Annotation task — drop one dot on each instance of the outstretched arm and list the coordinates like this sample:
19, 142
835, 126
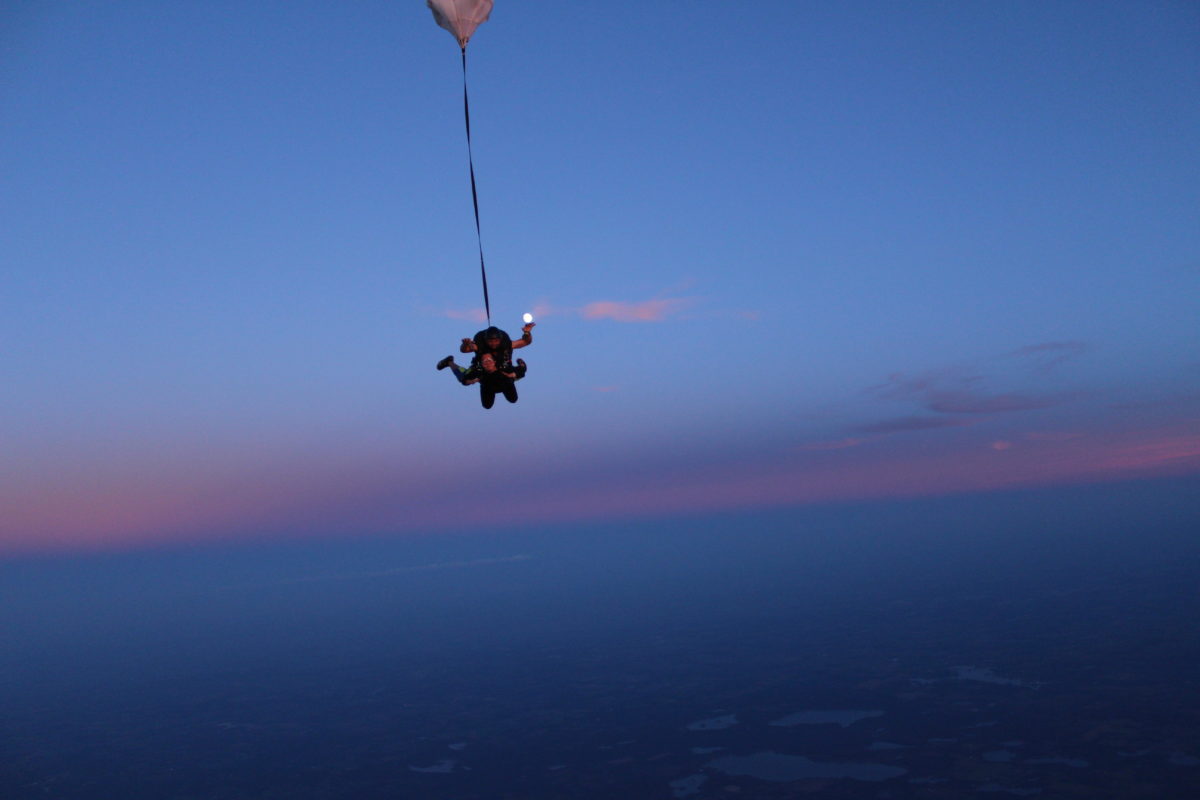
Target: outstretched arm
467, 346
526, 336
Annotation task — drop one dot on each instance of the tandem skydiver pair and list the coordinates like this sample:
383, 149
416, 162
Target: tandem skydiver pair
492, 365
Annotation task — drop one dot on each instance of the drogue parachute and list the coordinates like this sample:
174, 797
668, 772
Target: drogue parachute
460, 17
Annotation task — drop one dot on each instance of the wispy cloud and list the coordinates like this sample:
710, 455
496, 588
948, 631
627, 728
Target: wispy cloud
1160, 452
1048, 355
836, 444
903, 386
902, 424
1052, 436
387, 573
645, 311
963, 389
470, 314
978, 403
655, 310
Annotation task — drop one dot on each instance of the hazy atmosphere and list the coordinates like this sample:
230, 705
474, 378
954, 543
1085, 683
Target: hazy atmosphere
861, 428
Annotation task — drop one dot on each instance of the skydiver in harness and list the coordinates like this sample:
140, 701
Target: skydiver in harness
494, 380
492, 366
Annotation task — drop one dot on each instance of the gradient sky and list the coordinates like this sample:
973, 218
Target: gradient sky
780, 253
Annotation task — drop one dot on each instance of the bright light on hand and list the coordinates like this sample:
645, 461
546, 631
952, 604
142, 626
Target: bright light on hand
528, 318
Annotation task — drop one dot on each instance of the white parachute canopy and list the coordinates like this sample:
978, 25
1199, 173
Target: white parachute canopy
460, 17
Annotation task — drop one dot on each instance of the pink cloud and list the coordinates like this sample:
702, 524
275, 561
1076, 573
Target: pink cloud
646, 311
1160, 452
470, 314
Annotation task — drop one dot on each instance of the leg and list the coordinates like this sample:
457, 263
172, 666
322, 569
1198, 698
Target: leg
466, 375
448, 361
487, 395
510, 392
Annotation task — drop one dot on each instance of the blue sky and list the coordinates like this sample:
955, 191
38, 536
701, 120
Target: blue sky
779, 254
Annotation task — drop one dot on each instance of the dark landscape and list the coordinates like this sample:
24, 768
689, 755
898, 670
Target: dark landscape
1037, 643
